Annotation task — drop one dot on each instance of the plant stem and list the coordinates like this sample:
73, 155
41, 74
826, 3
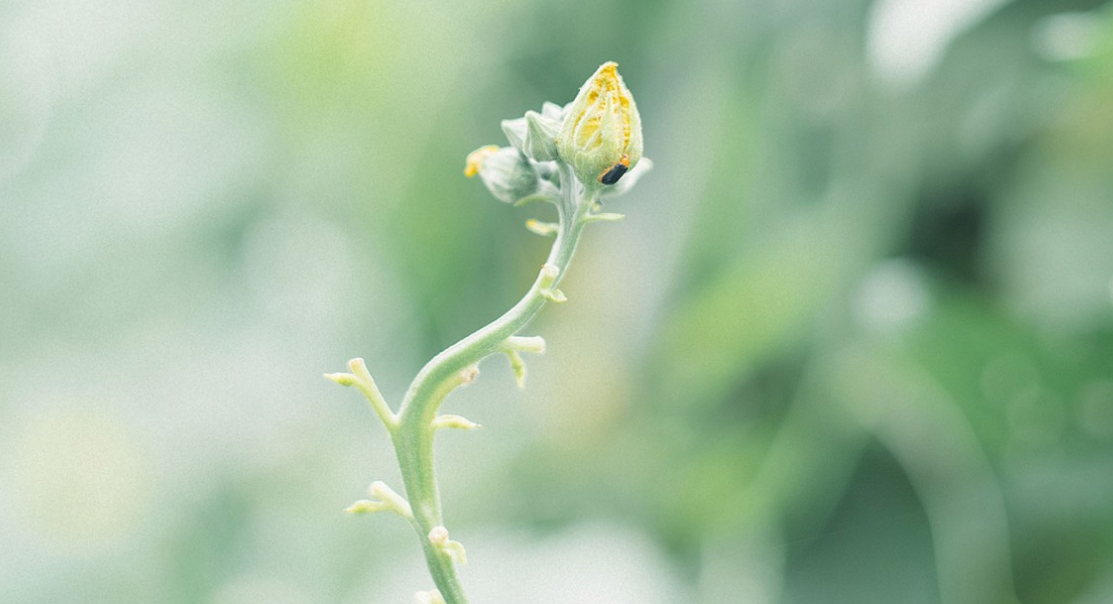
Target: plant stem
414, 431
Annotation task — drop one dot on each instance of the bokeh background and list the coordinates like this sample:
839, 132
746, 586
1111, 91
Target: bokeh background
853, 343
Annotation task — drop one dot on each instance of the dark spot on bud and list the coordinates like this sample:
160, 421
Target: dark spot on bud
615, 172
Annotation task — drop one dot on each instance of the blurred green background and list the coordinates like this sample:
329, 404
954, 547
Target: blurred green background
853, 343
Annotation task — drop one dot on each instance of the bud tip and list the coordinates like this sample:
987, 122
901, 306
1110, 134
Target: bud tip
474, 163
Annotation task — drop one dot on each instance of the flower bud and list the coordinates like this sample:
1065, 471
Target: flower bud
474, 163
515, 131
454, 421
601, 136
453, 549
534, 134
553, 111
541, 132
506, 172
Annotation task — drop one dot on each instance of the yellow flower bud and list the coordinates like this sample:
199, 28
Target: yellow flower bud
508, 174
601, 136
474, 162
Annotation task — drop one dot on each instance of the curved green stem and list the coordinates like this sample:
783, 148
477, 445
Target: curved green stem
413, 433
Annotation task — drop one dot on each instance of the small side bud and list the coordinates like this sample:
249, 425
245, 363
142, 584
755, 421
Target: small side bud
344, 379
545, 229
438, 536
518, 366
533, 135
366, 506
469, 374
554, 295
515, 131
361, 379
359, 368
453, 549
385, 497
533, 344
541, 132
454, 421
474, 163
549, 274
602, 217
508, 175
518, 344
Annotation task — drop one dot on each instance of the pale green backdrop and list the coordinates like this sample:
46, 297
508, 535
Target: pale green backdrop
853, 343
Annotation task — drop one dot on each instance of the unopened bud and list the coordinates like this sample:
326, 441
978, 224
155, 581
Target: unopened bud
601, 136
366, 506
515, 131
535, 134
474, 163
391, 500
453, 549
541, 132
506, 172
454, 421
552, 111
344, 379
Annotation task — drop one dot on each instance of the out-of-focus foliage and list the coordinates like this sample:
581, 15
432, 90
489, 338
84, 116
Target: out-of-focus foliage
854, 342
